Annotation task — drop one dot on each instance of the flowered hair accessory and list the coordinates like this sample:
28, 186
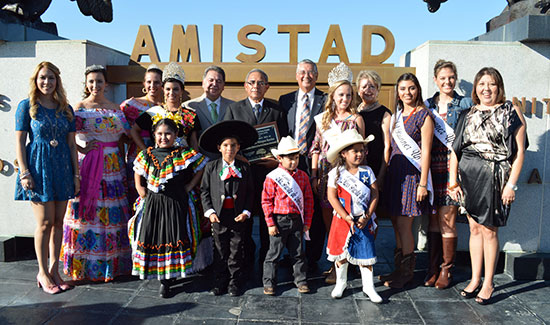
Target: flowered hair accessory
176, 117
340, 72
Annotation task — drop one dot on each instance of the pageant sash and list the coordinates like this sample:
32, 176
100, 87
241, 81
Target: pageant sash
331, 132
291, 188
443, 131
92, 169
357, 189
409, 147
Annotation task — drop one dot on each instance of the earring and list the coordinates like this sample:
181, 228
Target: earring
143, 90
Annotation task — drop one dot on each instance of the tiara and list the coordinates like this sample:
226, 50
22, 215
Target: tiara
94, 68
340, 72
153, 67
176, 117
173, 71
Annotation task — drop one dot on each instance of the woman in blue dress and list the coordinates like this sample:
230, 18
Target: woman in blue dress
48, 167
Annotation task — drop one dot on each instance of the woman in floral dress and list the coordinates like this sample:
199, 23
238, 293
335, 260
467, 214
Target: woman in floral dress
95, 243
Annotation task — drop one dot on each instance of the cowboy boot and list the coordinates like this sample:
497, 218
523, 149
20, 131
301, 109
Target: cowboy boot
368, 285
341, 281
449, 250
407, 272
435, 252
330, 275
397, 256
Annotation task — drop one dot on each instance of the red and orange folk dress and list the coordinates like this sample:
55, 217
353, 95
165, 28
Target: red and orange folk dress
167, 239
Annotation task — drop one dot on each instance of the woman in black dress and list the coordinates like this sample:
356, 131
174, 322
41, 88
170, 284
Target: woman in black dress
490, 146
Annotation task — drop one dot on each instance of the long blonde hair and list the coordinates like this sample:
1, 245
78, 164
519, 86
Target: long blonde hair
330, 106
59, 95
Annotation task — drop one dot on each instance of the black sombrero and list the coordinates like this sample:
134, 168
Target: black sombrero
245, 133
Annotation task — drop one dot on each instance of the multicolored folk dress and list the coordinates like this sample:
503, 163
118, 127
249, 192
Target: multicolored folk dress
354, 195
169, 233
132, 109
320, 146
95, 237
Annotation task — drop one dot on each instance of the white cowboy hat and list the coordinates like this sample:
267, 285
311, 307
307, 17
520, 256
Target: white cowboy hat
344, 140
286, 146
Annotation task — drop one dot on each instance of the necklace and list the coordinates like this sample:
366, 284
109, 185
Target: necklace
54, 141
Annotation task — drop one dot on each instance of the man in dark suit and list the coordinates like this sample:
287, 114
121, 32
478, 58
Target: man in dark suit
210, 107
301, 106
256, 110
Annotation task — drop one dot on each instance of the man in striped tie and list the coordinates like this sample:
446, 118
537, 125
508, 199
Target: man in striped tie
301, 106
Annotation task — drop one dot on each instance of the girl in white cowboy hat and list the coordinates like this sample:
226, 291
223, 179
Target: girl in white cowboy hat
353, 193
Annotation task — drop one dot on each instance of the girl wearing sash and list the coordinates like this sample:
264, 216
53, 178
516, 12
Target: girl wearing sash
165, 247
95, 243
408, 180
442, 237
353, 193
132, 108
340, 114
490, 146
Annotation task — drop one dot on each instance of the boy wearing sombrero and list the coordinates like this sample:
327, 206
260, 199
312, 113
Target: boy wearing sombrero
227, 197
287, 202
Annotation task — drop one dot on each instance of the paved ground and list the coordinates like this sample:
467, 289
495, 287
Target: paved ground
130, 301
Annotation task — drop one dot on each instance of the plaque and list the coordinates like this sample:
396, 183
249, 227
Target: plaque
268, 138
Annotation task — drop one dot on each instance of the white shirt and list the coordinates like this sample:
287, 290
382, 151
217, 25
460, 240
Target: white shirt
300, 105
210, 211
252, 103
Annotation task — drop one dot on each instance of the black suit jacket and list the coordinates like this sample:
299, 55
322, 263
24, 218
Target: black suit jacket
213, 190
242, 110
288, 103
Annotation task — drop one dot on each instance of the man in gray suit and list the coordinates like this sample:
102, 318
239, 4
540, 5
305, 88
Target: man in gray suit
301, 106
210, 106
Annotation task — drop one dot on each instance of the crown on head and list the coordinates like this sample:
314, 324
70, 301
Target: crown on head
94, 68
340, 72
176, 117
173, 71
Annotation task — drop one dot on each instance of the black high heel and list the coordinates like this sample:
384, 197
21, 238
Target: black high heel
164, 289
469, 295
486, 301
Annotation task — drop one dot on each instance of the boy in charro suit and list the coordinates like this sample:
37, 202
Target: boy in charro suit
227, 197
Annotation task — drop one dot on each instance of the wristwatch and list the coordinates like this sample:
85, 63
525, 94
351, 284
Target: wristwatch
512, 186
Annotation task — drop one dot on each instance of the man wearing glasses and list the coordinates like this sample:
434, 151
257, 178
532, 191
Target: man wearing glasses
256, 110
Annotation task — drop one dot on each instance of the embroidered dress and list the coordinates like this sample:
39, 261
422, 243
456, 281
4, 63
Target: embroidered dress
95, 237
357, 248
484, 149
402, 177
132, 109
169, 233
50, 167
320, 146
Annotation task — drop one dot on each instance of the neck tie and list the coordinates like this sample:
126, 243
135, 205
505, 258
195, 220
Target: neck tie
302, 130
214, 112
257, 111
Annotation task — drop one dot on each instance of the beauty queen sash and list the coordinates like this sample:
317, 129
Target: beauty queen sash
409, 148
358, 191
443, 131
291, 188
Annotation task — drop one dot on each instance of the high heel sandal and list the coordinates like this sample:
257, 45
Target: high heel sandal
485, 301
52, 289
469, 295
64, 286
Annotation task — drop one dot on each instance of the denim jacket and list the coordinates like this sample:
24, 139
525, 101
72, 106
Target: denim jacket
455, 107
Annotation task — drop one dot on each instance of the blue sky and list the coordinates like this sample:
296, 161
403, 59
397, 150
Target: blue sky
408, 20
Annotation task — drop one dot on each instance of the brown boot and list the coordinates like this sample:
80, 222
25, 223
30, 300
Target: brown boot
435, 252
331, 275
406, 272
397, 256
449, 250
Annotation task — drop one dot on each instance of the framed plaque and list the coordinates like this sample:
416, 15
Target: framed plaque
268, 138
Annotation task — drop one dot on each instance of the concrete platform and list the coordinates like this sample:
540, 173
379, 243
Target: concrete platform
131, 301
